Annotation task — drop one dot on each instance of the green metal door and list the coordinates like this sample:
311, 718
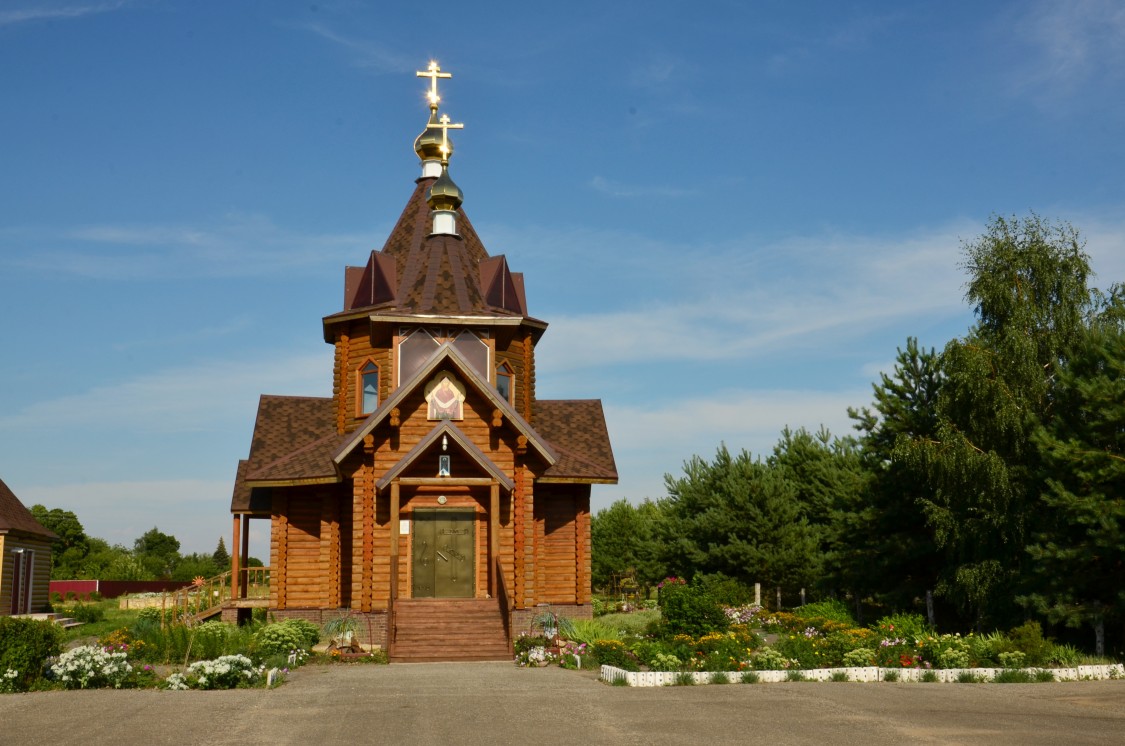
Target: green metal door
443, 554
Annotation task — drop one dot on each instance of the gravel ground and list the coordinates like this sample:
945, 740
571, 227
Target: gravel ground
497, 703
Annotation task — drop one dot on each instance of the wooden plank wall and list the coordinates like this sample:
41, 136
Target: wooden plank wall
40, 574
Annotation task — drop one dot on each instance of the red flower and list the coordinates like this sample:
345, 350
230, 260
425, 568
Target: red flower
906, 661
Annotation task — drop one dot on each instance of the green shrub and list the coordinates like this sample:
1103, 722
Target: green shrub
1013, 676
840, 676
283, 637
968, 677
310, 633
795, 675
620, 681
1012, 659
689, 610
25, 646
720, 677
1064, 655
725, 591
80, 612
685, 678
930, 677
750, 677
768, 659
614, 653
904, 626
524, 643
589, 630
1043, 676
1028, 639
859, 657
891, 675
831, 609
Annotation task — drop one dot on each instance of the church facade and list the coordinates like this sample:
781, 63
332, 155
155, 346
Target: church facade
433, 491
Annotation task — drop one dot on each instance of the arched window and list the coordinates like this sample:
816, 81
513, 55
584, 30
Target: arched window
367, 399
505, 381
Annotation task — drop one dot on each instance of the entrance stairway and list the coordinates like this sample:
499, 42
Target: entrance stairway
449, 629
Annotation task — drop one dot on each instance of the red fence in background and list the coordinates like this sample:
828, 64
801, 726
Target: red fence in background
114, 588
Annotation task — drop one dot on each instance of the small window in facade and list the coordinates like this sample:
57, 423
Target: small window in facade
504, 380
413, 352
474, 350
368, 388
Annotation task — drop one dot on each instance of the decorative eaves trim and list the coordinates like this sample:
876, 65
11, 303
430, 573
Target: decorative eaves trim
447, 428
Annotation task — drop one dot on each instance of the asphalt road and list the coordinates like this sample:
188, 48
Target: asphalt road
497, 703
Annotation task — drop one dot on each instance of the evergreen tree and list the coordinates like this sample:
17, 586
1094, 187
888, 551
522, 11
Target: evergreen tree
1079, 552
741, 518
830, 481
221, 557
623, 539
894, 556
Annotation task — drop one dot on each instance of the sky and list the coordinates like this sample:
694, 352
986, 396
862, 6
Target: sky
731, 214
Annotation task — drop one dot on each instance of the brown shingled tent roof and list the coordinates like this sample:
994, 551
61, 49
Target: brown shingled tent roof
15, 518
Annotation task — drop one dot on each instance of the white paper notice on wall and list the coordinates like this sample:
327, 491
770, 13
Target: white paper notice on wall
404, 526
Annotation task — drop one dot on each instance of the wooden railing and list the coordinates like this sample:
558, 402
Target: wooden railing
391, 627
501, 588
205, 597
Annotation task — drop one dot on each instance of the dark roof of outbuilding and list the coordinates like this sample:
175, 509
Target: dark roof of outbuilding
16, 518
577, 432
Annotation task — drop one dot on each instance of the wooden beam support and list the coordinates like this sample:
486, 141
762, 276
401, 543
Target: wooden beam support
445, 481
235, 564
493, 538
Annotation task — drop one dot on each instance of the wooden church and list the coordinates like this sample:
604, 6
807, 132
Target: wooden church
434, 496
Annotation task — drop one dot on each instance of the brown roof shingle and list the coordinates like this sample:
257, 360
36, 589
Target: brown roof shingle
577, 432
16, 518
294, 438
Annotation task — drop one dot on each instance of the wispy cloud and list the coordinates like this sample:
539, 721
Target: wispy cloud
766, 297
617, 189
363, 53
237, 246
200, 397
47, 12
1077, 43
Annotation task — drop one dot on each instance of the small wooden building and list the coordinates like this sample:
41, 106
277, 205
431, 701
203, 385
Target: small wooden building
25, 558
434, 496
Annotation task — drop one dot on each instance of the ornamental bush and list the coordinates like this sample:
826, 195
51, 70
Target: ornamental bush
614, 653
831, 609
690, 610
25, 646
859, 657
768, 659
91, 667
225, 672
284, 637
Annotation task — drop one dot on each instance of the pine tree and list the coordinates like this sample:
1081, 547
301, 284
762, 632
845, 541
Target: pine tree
221, 556
1079, 552
894, 556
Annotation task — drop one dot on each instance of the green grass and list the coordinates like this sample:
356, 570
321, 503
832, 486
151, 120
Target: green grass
720, 677
750, 677
113, 619
968, 677
840, 676
684, 678
890, 676
930, 677
620, 682
795, 675
634, 623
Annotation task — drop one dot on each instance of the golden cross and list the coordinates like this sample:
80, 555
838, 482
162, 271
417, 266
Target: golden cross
433, 72
445, 126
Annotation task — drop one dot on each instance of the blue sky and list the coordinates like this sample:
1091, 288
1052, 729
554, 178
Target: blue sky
731, 216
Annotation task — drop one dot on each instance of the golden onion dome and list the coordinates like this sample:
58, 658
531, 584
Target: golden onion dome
428, 145
443, 194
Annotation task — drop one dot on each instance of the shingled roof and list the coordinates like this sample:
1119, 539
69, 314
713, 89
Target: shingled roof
15, 518
294, 439
576, 430
419, 272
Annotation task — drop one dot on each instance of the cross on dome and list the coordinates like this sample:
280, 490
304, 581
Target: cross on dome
433, 72
444, 125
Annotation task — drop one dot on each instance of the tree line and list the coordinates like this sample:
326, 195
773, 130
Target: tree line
990, 473
155, 555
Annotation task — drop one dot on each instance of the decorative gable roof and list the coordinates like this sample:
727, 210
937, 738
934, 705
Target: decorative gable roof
294, 439
15, 518
446, 352
455, 434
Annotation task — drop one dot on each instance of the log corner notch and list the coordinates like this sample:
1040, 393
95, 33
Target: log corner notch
498, 419
396, 418
521, 445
